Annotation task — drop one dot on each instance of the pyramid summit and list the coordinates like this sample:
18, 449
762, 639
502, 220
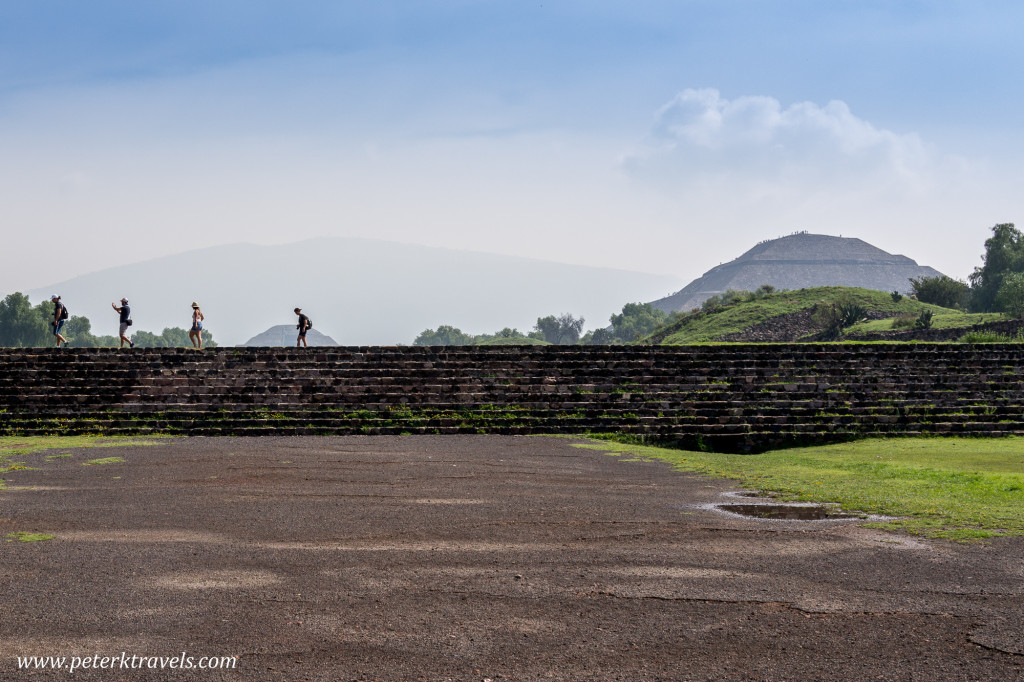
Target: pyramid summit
799, 261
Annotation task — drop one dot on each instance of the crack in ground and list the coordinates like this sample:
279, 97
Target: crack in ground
783, 604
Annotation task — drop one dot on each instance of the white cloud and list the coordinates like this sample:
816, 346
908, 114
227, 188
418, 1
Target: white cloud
754, 141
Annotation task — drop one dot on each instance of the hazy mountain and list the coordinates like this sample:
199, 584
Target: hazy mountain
358, 291
799, 261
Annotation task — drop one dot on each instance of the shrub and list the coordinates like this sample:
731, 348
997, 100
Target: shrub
835, 317
724, 299
896, 297
924, 320
904, 321
984, 337
942, 290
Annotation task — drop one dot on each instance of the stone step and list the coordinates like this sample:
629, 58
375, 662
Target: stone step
736, 394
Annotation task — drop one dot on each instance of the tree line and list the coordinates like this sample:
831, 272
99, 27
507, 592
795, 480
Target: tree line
995, 286
23, 325
636, 321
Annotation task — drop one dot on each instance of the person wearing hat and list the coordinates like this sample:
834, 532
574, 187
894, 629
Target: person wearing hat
126, 321
302, 326
196, 332
60, 316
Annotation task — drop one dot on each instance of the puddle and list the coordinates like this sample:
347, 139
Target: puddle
753, 505
787, 512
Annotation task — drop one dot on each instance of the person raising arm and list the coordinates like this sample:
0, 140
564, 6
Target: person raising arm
126, 320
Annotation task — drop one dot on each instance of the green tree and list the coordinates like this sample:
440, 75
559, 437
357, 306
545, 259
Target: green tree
564, 329
944, 291
144, 339
599, 337
78, 332
1010, 298
176, 337
21, 325
636, 321
445, 335
1004, 254
171, 337
44, 310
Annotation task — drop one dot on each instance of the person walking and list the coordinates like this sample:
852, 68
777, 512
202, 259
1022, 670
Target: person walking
126, 321
303, 326
196, 332
60, 316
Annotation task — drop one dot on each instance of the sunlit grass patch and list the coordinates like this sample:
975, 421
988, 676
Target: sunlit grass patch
20, 446
27, 444
103, 460
959, 488
23, 536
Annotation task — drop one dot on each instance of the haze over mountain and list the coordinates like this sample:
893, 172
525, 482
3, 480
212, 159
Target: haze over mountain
358, 291
798, 261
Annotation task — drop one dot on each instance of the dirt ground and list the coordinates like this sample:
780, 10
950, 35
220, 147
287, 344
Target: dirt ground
472, 558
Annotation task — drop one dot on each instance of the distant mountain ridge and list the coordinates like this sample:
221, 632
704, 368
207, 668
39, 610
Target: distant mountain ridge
800, 261
358, 291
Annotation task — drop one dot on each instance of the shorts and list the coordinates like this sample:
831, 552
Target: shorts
57, 327
122, 329
197, 327
302, 333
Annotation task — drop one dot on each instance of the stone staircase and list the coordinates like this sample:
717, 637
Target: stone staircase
727, 397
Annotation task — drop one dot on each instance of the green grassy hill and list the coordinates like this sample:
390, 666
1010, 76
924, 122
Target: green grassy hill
793, 310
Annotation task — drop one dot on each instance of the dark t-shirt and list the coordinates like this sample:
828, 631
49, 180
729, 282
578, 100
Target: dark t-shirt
302, 323
126, 313
58, 309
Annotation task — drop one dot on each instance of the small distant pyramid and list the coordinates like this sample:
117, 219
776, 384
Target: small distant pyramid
285, 335
799, 261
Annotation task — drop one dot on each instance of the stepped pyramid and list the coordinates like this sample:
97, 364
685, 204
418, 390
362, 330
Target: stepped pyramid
799, 261
284, 335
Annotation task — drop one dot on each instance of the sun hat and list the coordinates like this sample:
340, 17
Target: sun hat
124, 300
54, 297
194, 304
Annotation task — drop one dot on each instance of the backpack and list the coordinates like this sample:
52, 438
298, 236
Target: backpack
63, 312
309, 323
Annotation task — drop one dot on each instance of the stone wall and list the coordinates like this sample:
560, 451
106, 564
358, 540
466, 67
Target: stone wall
734, 397
1010, 328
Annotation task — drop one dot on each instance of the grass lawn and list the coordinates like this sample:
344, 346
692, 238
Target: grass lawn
957, 488
939, 321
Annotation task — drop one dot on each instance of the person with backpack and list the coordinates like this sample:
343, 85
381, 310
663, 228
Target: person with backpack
126, 321
303, 326
60, 316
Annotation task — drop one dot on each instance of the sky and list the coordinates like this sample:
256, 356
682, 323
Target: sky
659, 136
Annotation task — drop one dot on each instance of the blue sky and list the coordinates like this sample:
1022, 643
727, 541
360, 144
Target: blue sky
658, 136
